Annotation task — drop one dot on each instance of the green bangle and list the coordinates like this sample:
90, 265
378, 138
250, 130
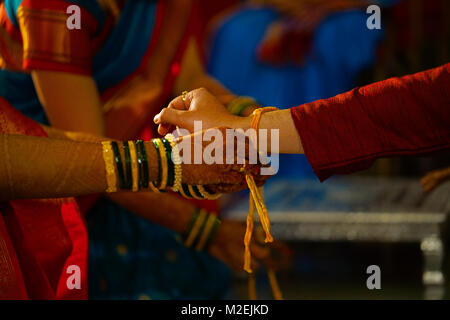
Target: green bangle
239, 104
143, 164
170, 165
128, 178
213, 232
118, 159
191, 223
244, 106
156, 144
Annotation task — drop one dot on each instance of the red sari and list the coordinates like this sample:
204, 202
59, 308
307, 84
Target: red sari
39, 239
396, 117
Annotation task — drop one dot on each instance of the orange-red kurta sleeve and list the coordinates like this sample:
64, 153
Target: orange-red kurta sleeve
395, 117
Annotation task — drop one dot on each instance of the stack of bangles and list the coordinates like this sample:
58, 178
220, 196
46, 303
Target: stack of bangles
239, 105
132, 173
201, 230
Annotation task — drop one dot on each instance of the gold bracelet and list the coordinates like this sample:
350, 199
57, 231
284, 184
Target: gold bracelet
111, 176
153, 188
196, 228
162, 153
178, 175
193, 194
181, 191
134, 166
208, 195
205, 233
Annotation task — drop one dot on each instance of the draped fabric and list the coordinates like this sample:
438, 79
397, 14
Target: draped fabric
34, 36
39, 239
396, 117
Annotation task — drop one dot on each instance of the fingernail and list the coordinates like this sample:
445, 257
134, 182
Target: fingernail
156, 119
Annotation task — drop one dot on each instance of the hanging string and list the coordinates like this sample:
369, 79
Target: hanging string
256, 200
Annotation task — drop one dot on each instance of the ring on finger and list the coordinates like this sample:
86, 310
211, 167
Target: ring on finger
183, 95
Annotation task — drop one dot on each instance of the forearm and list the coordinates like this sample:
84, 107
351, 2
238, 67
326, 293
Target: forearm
164, 209
171, 212
36, 167
396, 117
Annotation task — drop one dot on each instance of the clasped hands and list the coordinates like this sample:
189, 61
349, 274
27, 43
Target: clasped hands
221, 174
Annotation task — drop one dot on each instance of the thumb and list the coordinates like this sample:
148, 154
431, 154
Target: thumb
170, 116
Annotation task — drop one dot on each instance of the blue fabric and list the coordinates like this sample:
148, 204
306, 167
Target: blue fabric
11, 7
342, 47
129, 258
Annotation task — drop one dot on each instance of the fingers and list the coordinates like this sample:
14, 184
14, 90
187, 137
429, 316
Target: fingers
179, 104
169, 116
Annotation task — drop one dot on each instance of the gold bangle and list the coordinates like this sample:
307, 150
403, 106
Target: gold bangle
208, 195
152, 187
134, 167
196, 228
162, 152
181, 191
192, 192
178, 174
108, 157
205, 234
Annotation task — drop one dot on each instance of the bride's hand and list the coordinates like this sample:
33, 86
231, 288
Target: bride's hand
225, 172
198, 105
228, 247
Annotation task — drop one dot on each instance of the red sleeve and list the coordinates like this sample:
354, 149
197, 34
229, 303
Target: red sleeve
48, 44
395, 117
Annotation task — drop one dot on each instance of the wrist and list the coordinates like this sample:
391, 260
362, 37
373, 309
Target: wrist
236, 122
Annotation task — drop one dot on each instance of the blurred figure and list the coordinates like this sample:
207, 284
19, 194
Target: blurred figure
287, 53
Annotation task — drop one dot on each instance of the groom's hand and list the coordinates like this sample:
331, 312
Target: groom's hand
197, 105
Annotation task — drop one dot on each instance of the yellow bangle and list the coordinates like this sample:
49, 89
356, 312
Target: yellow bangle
153, 188
162, 152
108, 157
178, 174
205, 234
192, 192
181, 191
134, 166
208, 195
196, 228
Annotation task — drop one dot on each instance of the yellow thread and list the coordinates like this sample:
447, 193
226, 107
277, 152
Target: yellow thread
276, 292
260, 207
248, 236
256, 200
